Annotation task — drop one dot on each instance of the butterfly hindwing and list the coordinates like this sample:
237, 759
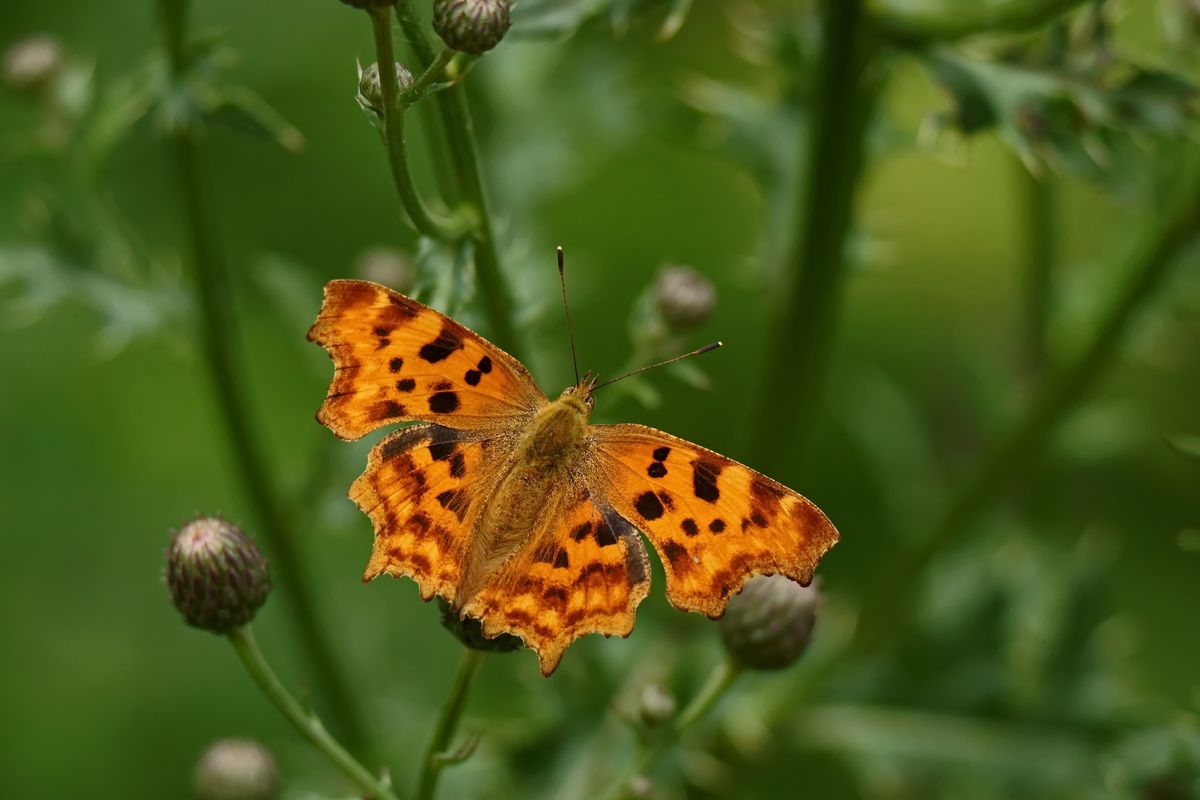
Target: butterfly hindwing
397, 360
423, 488
713, 521
584, 570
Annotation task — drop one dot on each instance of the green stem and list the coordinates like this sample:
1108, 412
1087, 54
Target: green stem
460, 139
447, 724
805, 321
917, 21
1149, 265
715, 687
1037, 201
425, 221
431, 74
308, 725
218, 331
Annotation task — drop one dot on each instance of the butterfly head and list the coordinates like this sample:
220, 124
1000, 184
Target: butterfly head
580, 395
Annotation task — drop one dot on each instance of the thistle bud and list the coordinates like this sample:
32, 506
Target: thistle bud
685, 298
472, 26
217, 576
469, 631
370, 87
236, 769
656, 705
768, 624
31, 64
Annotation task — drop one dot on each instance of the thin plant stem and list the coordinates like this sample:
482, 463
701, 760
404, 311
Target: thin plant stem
1149, 265
805, 320
431, 74
218, 332
949, 20
447, 723
425, 221
714, 688
494, 291
307, 724
1037, 198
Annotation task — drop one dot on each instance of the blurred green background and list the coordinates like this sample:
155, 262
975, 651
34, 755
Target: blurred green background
1055, 652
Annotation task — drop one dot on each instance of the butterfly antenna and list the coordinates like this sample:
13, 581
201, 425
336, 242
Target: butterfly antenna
562, 281
708, 348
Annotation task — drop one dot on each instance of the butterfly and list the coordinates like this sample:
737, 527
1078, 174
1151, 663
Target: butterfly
515, 508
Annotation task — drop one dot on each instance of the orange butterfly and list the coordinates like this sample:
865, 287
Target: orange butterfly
517, 510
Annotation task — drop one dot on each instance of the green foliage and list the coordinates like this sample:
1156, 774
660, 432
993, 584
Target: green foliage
1045, 648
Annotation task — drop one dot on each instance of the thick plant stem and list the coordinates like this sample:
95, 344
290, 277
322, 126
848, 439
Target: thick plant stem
946, 20
447, 723
715, 687
494, 291
307, 724
1037, 199
218, 331
805, 321
424, 220
1149, 265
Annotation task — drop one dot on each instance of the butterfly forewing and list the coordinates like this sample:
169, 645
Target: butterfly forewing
713, 521
397, 360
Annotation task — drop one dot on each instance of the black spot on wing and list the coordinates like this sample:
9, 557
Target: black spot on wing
717, 525
580, 532
443, 402
604, 534
388, 408
661, 453
689, 527
440, 348
656, 469
458, 465
440, 451
704, 479
648, 505
396, 364
405, 385
485, 365
472, 377
561, 561
675, 553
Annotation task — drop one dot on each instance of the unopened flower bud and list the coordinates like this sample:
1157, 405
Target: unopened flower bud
472, 26
387, 266
768, 625
31, 64
685, 298
236, 769
370, 88
656, 705
469, 631
217, 576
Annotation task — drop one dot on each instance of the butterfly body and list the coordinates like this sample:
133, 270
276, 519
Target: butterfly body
519, 511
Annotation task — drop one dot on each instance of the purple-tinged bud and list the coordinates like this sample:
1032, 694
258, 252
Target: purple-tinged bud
472, 26
769, 624
370, 87
469, 631
217, 576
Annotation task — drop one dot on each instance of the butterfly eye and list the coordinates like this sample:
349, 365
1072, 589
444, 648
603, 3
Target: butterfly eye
589, 402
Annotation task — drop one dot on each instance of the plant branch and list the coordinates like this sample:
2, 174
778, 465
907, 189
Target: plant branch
715, 687
1148, 266
308, 725
805, 321
924, 21
431, 74
447, 724
424, 220
460, 140
218, 332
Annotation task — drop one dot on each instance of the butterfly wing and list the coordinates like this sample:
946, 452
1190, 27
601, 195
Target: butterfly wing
396, 360
584, 570
423, 489
713, 521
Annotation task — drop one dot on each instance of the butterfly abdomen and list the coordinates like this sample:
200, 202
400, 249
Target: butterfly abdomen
549, 452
